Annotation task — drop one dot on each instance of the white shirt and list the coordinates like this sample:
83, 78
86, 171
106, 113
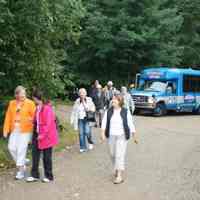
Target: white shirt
116, 123
81, 111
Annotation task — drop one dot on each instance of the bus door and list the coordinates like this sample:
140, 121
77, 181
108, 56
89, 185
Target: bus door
172, 95
189, 94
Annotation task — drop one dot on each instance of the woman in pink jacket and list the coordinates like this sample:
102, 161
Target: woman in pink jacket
44, 138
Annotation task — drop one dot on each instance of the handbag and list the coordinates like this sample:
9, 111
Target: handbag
90, 116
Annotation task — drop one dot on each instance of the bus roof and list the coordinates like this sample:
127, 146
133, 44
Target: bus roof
167, 73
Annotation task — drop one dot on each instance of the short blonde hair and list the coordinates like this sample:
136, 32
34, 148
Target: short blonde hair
20, 89
82, 90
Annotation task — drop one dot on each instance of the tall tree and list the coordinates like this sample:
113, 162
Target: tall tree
120, 36
190, 32
32, 41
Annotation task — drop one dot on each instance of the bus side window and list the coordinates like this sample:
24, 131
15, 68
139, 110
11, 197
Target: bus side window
191, 83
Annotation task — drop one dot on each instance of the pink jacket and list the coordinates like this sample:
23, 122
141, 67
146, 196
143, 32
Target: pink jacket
48, 135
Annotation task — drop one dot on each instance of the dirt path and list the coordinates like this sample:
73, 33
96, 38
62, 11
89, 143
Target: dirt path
164, 166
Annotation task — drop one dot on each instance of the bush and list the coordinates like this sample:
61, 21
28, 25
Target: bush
5, 158
2, 111
67, 137
3, 106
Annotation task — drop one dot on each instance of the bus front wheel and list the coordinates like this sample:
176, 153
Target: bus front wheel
160, 110
197, 111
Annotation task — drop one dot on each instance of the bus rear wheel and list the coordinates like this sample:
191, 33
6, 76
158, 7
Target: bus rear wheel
197, 111
160, 110
136, 111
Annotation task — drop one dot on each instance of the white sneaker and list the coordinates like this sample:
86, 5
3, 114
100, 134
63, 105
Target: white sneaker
90, 146
82, 150
118, 180
20, 175
31, 179
45, 180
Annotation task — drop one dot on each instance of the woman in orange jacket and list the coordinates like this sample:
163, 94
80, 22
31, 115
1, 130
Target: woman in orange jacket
19, 125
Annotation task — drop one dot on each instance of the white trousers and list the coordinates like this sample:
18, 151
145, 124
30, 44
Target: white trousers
118, 147
18, 145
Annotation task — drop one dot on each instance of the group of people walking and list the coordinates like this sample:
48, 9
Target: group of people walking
24, 117
108, 108
113, 112
102, 98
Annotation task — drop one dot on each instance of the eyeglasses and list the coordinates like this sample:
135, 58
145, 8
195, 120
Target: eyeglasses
18, 110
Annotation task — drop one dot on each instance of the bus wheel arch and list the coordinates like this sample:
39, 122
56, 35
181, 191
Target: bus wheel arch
197, 110
160, 109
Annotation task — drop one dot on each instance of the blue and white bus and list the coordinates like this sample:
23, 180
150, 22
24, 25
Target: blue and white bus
161, 89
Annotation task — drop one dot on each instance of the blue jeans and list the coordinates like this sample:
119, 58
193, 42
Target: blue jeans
84, 131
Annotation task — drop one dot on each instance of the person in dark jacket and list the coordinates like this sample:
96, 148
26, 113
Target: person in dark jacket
93, 89
99, 101
109, 93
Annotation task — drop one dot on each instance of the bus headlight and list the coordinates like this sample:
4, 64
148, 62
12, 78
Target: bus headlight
151, 100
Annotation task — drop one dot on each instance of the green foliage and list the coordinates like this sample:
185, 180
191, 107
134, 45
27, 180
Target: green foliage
3, 105
2, 112
190, 31
5, 158
61, 44
67, 137
32, 41
119, 37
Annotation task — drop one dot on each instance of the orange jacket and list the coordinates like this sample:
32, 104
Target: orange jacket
26, 116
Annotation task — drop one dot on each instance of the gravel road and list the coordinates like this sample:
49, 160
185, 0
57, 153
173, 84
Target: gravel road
165, 165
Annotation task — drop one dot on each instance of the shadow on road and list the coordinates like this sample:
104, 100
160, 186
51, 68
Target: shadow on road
169, 114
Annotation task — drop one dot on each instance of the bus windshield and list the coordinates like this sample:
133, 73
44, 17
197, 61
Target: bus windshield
157, 86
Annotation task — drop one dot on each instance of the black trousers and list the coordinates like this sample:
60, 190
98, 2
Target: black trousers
47, 161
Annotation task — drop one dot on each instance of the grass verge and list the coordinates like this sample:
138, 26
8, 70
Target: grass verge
5, 158
67, 137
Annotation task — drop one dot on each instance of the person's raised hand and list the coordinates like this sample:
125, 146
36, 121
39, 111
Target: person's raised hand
5, 135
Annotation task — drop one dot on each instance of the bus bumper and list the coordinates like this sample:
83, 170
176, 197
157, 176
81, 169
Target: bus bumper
145, 106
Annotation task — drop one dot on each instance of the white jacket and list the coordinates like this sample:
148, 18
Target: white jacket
129, 103
75, 111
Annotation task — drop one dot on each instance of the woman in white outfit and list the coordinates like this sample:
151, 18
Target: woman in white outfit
118, 127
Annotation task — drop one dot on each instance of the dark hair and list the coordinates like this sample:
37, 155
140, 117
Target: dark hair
40, 96
94, 82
